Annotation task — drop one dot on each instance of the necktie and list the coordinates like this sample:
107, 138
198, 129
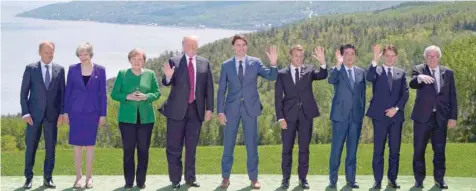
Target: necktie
351, 79
436, 81
240, 71
389, 78
47, 77
296, 76
191, 78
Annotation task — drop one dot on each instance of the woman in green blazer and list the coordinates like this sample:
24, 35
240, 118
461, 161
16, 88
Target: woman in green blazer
136, 88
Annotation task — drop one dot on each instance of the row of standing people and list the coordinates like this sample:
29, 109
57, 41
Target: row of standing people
46, 102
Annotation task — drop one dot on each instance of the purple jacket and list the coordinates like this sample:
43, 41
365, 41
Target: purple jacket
90, 98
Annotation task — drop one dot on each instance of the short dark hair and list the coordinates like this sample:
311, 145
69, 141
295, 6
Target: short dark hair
241, 37
346, 46
391, 48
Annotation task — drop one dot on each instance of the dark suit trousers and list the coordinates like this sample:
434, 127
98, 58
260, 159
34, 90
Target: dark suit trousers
303, 127
422, 132
33, 134
349, 132
383, 130
187, 129
135, 135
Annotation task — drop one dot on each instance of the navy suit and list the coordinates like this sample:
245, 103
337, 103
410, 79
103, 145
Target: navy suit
386, 97
347, 112
44, 106
430, 116
184, 119
295, 103
241, 103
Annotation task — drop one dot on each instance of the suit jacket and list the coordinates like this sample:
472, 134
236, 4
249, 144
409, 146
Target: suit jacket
235, 90
384, 97
90, 98
427, 98
38, 101
290, 97
176, 105
345, 98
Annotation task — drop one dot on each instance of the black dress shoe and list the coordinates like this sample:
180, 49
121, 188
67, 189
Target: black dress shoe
352, 185
175, 185
377, 186
193, 184
393, 184
304, 185
418, 185
27, 184
285, 184
441, 185
332, 185
127, 186
49, 183
141, 186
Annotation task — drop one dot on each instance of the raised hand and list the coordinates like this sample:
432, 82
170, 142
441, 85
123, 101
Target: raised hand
168, 71
377, 53
272, 55
319, 54
339, 58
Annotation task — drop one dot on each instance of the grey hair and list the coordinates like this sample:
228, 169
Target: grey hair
85, 47
434, 48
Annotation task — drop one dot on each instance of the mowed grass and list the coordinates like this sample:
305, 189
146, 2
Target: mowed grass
460, 161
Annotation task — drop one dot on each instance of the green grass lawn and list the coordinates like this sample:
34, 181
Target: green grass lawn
459, 161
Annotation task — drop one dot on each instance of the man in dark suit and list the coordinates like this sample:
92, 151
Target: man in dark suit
192, 93
435, 109
390, 94
296, 108
41, 100
347, 112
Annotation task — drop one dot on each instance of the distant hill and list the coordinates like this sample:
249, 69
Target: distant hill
249, 15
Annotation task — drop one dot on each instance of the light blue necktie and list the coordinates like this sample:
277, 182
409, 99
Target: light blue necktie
47, 77
351, 79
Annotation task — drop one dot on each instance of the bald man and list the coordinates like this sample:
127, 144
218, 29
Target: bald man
190, 102
41, 100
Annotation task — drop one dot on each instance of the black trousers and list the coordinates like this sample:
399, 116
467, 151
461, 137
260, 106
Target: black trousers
303, 128
135, 135
422, 133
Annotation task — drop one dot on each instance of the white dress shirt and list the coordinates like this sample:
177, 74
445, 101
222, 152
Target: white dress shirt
293, 71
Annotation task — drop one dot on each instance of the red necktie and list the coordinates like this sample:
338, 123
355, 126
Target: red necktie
191, 78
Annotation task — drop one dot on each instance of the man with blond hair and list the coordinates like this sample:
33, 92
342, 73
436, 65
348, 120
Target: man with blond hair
189, 104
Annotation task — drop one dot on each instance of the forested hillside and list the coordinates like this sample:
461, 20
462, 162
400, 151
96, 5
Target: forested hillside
411, 27
250, 15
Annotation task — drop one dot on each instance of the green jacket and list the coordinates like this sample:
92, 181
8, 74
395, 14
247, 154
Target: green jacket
126, 83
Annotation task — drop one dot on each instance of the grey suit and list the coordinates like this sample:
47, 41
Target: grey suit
44, 106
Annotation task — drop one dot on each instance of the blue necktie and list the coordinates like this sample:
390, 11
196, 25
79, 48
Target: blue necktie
351, 79
47, 77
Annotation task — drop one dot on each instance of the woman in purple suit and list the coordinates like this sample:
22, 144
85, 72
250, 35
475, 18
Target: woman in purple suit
85, 108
